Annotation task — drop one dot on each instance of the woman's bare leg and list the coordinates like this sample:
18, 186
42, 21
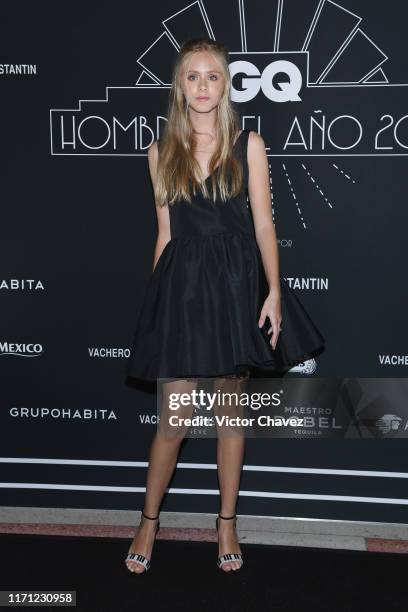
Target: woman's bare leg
230, 452
163, 455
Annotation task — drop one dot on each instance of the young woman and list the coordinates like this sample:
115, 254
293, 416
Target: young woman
215, 280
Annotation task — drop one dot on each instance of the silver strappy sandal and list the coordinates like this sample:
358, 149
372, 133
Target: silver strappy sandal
141, 558
228, 556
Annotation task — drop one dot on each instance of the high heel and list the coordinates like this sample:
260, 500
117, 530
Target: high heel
141, 558
228, 556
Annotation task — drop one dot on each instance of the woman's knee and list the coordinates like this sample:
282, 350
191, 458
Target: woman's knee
170, 437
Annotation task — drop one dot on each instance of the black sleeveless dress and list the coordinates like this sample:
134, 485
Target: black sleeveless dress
199, 316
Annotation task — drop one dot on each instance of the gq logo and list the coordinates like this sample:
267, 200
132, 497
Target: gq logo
252, 80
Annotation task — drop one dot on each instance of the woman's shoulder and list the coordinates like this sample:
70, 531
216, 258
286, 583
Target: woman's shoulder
153, 150
256, 150
155, 145
256, 144
255, 137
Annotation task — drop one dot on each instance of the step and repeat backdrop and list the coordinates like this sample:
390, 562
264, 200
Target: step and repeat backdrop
84, 94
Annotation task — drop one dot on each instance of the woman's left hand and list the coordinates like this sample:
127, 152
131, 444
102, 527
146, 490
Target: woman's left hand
272, 310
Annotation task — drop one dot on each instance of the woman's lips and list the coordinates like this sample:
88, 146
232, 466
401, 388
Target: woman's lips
203, 98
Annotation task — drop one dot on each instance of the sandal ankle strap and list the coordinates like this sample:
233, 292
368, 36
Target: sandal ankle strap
227, 518
151, 518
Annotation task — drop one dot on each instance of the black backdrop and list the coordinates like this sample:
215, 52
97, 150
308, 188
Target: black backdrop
84, 93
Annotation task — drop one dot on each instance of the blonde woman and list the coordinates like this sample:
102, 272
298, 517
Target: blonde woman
215, 304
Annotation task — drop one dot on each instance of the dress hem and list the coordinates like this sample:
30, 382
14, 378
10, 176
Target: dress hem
268, 367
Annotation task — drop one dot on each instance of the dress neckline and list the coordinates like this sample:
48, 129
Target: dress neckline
216, 168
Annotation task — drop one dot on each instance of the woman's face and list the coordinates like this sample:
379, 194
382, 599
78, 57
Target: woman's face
202, 82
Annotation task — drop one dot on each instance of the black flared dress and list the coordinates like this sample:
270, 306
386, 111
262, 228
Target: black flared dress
200, 312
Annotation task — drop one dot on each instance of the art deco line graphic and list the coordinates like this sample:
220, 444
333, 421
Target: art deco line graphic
335, 53
325, 68
313, 77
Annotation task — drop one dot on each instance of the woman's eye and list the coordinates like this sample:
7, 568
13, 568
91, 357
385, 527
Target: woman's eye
210, 76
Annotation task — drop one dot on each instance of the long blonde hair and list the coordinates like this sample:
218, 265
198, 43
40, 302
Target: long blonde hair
177, 165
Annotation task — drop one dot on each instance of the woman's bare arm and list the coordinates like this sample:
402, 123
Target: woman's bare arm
260, 201
163, 217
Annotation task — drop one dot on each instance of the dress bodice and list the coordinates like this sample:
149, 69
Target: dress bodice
203, 216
